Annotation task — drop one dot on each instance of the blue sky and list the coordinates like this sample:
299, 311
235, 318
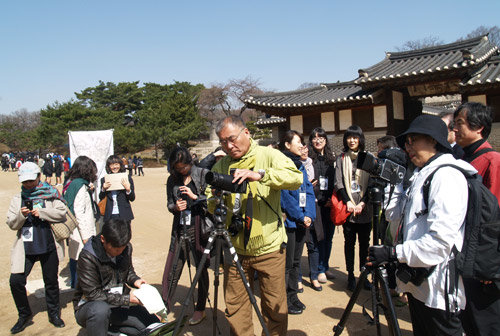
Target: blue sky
51, 49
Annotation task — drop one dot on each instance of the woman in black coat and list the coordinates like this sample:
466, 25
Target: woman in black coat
186, 200
117, 201
319, 245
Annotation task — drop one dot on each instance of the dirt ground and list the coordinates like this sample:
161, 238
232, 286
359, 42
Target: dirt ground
151, 237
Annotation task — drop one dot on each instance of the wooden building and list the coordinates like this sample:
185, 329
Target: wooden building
387, 96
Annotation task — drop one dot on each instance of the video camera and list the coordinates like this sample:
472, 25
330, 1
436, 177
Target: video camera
389, 166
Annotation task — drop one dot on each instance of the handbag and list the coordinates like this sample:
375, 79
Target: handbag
102, 205
62, 230
338, 210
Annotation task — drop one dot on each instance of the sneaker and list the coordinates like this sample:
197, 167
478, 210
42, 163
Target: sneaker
322, 278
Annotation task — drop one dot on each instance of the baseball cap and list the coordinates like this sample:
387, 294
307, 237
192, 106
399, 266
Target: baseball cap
28, 171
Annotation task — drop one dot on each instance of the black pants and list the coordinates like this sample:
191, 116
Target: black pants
362, 230
431, 321
98, 316
482, 312
294, 249
50, 264
174, 268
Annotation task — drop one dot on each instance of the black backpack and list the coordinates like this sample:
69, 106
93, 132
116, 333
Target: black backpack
480, 255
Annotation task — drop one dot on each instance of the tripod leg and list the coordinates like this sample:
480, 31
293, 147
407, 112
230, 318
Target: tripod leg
174, 276
340, 326
185, 304
234, 256
218, 250
390, 312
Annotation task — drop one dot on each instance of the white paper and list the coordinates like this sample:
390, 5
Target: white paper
151, 300
116, 181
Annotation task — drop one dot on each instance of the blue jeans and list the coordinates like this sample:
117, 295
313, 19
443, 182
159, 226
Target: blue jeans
325, 246
97, 316
312, 255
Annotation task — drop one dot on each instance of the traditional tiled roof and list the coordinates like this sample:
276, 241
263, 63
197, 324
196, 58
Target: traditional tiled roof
270, 121
324, 94
461, 55
488, 74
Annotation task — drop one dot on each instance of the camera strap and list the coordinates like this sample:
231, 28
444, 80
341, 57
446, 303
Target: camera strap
248, 219
270, 207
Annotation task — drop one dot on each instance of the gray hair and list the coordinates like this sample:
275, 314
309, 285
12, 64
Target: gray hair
232, 119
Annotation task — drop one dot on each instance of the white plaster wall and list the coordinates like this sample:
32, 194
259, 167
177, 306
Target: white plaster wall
328, 121
345, 119
296, 123
380, 116
397, 103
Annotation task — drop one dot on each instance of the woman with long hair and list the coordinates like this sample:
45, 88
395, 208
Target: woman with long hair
118, 201
300, 210
187, 201
78, 194
351, 185
319, 243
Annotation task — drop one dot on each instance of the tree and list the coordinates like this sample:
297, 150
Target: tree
19, 130
170, 114
221, 100
307, 85
429, 41
59, 118
493, 34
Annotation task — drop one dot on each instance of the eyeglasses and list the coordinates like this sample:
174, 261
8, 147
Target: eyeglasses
231, 139
318, 139
411, 139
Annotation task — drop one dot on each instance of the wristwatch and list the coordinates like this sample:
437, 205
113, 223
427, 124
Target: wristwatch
262, 172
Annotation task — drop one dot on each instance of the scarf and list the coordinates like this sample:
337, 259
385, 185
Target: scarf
71, 189
253, 229
360, 176
43, 191
294, 157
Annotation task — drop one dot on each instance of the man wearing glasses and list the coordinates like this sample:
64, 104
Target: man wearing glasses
262, 248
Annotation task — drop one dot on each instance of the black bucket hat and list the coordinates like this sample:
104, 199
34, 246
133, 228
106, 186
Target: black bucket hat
429, 125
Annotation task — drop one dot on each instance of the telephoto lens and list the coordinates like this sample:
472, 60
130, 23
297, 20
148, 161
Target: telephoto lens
225, 182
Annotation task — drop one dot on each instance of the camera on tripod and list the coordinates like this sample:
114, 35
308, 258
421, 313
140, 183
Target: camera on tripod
225, 182
389, 166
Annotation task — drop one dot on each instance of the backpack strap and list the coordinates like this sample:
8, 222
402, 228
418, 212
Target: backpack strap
427, 183
478, 154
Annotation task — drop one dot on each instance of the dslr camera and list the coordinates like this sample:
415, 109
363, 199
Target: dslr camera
225, 182
415, 275
389, 166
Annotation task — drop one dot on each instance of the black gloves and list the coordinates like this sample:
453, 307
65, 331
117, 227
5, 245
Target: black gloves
381, 254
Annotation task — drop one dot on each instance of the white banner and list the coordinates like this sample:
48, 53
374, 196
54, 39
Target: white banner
97, 145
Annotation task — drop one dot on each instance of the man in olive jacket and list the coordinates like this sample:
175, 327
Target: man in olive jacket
261, 245
102, 299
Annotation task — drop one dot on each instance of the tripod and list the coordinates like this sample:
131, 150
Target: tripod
380, 295
185, 245
219, 236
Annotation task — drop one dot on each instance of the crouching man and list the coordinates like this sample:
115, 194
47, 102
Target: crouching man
103, 298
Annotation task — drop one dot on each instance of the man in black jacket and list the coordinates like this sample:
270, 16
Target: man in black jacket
103, 299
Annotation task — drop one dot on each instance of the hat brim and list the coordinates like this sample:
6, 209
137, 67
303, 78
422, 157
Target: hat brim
28, 177
445, 146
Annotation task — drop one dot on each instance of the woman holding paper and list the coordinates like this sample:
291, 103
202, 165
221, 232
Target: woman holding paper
118, 191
